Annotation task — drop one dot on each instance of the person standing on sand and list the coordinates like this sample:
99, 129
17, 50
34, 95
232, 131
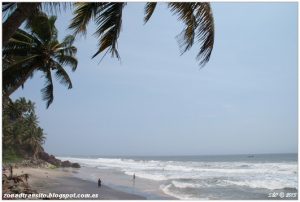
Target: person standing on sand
11, 171
26, 176
99, 183
133, 176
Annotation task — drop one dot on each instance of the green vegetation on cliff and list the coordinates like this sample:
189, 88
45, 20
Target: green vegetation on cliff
22, 135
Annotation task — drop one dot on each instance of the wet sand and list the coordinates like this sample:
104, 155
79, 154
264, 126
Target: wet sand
62, 181
149, 189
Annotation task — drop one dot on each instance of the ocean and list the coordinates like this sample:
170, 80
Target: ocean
222, 177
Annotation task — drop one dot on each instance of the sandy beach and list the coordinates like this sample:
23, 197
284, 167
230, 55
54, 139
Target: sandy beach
62, 181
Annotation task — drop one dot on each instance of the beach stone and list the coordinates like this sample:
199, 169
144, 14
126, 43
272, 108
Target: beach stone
75, 165
66, 164
49, 158
69, 164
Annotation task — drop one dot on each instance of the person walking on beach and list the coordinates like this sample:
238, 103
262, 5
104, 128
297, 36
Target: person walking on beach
99, 183
133, 176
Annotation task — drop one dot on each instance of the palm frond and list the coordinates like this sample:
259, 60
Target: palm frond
185, 13
19, 42
7, 9
67, 60
54, 8
149, 9
47, 91
68, 41
15, 50
84, 12
71, 50
42, 27
53, 30
199, 23
109, 21
19, 63
62, 75
8, 5
16, 75
205, 31
21, 35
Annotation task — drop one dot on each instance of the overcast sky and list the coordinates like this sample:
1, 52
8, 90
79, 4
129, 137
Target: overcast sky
156, 102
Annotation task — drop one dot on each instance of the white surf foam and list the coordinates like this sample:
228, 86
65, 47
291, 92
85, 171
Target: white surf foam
247, 174
182, 196
266, 183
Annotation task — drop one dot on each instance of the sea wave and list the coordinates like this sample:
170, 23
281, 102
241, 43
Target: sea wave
183, 196
199, 183
266, 183
182, 175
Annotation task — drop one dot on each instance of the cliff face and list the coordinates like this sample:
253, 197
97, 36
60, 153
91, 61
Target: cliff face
43, 159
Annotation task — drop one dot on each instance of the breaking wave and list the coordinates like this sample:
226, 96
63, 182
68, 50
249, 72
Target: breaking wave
179, 176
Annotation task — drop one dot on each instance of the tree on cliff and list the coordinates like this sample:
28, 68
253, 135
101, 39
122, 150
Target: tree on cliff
21, 132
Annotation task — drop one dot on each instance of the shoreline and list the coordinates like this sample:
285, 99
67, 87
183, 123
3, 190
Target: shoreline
150, 189
62, 181
119, 184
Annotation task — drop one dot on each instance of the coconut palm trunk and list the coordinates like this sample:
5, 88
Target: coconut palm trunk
19, 83
14, 21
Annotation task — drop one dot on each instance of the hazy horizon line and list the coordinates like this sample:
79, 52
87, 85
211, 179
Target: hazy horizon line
173, 155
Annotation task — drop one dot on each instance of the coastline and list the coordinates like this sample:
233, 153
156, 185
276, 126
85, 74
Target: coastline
62, 181
221, 177
227, 179
149, 189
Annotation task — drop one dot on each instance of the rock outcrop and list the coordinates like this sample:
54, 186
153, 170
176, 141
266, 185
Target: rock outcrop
50, 159
56, 162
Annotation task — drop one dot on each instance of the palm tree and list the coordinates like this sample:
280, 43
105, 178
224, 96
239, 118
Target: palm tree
14, 122
197, 17
37, 49
21, 131
34, 139
17, 13
21, 12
